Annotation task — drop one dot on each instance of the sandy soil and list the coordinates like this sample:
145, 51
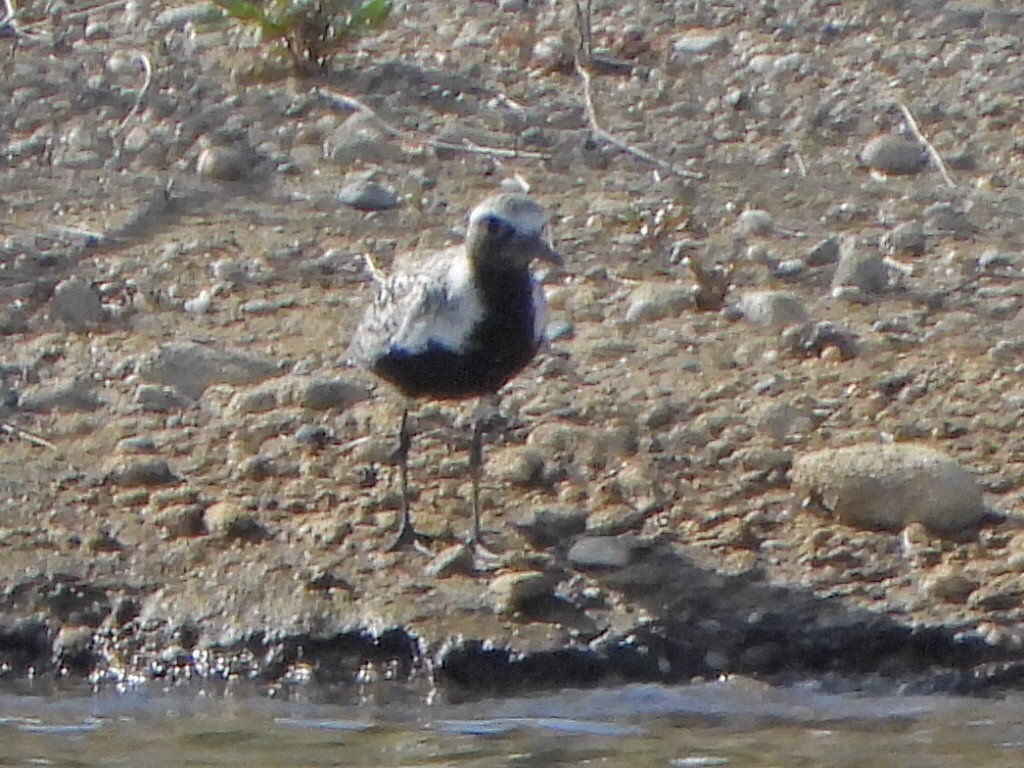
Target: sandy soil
229, 517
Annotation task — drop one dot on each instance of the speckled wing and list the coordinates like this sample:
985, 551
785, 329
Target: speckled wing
434, 306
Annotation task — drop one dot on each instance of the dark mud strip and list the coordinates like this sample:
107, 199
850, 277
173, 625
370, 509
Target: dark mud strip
702, 625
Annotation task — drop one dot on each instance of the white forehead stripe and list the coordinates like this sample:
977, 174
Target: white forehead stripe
525, 216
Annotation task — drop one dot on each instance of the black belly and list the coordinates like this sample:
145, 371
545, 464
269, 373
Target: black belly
499, 347
439, 373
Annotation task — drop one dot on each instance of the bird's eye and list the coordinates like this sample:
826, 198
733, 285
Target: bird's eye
494, 226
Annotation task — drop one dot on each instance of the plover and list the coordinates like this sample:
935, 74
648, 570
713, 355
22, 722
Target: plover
459, 324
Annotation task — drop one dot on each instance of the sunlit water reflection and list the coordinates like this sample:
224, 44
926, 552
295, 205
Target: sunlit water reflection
738, 725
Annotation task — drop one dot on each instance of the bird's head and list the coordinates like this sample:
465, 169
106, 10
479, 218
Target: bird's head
507, 231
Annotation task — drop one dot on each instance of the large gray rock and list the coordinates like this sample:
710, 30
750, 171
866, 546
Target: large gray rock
773, 309
77, 304
191, 368
890, 486
893, 155
70, 397
327, 394
861, 274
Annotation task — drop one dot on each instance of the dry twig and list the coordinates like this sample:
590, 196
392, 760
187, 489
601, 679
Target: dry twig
140, 58
583, 58
800, 164
102, 6
28, 437
344, 101
933, 153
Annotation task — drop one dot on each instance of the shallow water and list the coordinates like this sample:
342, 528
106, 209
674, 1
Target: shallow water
722, 724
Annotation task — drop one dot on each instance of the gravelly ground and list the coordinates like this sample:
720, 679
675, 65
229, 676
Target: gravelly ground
173, 511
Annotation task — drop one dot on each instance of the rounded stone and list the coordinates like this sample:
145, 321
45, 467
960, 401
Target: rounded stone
223, 164
613, 520
232, 521
182, 521
907, 238
753, 223
602, 551
894, 155
951, 586
313, 436
824, 253
366, 195
77, 304
512, 592
860, 273
551, 526
519, 465
773, 309
359, 139
145, 473
328, 394
700, 43
653, 301
891, 486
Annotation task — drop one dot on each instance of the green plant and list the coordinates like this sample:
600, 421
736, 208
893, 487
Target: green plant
309, 31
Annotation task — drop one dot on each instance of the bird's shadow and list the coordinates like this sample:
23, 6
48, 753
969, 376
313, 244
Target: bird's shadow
691, 622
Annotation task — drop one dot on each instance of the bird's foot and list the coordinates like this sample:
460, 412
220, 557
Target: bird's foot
409, 538
484, 558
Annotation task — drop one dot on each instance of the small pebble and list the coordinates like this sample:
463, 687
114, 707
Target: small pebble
907, 238
949, 585
359, 139
191, 368
182, 521
77, 304
551, 526
700, 43
654, 301
753, 223
789, 269
815, 339
260, 307
772, 309
993, 259
144, 472
602, 551
139, 444
860, 274
259, 401
179, 16
614, 520
223, 163
519, 465
256, 468
313, 436
947, 219
155, 399
328, 394
228, 519
75, 396
367, 196
824, 253
893, 155
201, 304
452, 560
513, 592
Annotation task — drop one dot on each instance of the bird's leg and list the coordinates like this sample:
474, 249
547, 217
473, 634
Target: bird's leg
476, 463
484, 409
406, 533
